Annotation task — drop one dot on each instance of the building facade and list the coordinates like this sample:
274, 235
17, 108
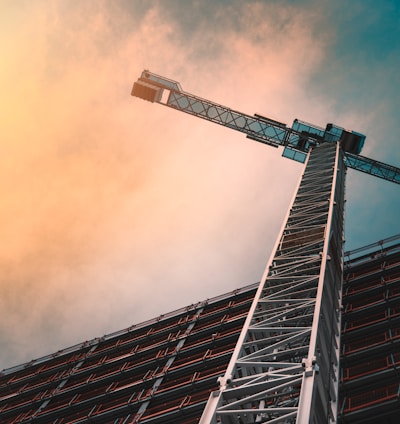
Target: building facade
370, 337
163, 370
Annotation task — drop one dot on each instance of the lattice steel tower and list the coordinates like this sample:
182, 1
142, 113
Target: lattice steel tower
285, 367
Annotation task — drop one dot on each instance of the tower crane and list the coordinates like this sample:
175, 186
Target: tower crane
285, 366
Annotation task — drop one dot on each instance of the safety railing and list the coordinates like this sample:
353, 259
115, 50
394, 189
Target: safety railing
370, 398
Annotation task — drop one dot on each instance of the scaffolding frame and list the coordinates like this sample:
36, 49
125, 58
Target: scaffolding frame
108, 379
370, 361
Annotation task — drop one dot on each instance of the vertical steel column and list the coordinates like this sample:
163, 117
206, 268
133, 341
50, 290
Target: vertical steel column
285, 365
166, 367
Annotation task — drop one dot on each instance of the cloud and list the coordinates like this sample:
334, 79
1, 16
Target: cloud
116, 210
111, 205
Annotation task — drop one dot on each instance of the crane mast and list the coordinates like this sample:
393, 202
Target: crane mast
285, 366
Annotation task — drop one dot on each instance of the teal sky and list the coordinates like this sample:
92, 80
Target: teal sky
115, 210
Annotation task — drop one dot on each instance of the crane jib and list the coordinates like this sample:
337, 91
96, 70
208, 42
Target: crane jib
297, 140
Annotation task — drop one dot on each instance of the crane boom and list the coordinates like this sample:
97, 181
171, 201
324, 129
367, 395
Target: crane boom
296, 140
373, 167
285, 366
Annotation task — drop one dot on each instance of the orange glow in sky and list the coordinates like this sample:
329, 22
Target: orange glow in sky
114, 210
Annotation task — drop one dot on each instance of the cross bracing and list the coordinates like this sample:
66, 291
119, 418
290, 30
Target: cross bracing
161, 371
306, 272
227, 117
287, 354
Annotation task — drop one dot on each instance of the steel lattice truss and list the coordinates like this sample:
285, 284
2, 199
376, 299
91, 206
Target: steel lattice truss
266, 131
296, 140
373, 167
285, 366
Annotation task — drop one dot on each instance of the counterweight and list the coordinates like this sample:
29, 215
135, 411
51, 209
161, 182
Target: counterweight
285, 366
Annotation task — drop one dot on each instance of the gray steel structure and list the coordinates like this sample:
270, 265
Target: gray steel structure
296, 140
162, 371
286, 363
284, 368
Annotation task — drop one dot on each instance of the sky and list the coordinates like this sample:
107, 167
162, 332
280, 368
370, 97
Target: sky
115, 210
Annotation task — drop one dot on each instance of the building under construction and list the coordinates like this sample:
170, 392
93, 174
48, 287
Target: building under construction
315, 342
163, 370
